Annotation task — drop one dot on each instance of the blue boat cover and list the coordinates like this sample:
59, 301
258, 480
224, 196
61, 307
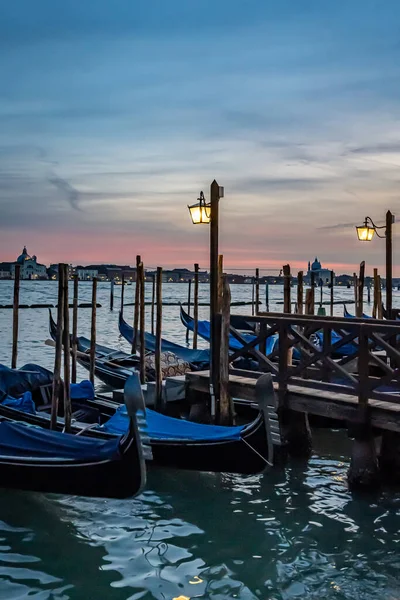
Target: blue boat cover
161, 427
15, 382
197, 357
204, 331
82, 391
24, 404
21, 440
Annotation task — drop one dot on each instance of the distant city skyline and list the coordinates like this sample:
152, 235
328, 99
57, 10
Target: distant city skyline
115, 115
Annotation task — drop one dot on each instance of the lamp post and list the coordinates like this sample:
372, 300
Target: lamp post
208, 213
365, 233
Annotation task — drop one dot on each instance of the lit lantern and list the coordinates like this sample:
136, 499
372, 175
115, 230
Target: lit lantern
201, 211
365, 233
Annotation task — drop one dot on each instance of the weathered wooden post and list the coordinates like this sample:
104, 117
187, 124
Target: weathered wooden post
226, 412
66, 344
257, 282
195, 305
380, 308
215, 191
122, 294
253, 299
136, 309
369, 290
17, 272
332, 292
267, 296
295, 430
142, 326
375, 306
93, 331
363, 471
56, 389
389, 262
153, 299
287, 303
220, 280
355, 286
159, 401
300, 292
312, 295
321, 309
74, 329
309, 302
189, 300
112, 283
360, 290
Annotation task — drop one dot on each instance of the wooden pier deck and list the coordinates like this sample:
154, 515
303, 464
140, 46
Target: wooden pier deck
305, 399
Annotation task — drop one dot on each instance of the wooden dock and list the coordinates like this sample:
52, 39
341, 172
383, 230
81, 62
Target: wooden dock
305, 399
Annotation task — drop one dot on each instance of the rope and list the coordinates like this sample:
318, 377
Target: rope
257, 452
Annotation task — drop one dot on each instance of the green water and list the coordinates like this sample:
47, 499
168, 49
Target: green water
293, 533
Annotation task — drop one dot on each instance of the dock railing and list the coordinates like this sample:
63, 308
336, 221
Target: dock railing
334, 354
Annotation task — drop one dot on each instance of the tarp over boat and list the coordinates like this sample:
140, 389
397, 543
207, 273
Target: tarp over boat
14, 382
196, 357
204, 331
161, 427
26, 441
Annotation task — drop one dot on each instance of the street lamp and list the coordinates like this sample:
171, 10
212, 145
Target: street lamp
201, 211
365, 233
208, 213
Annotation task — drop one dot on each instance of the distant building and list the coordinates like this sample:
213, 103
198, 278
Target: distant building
29, 267
5, 270
319, 272
86, 274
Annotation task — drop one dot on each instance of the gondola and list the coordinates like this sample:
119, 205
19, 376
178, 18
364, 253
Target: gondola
37, 459
175, 442
203, 330
198, 358
348, 315
113, 367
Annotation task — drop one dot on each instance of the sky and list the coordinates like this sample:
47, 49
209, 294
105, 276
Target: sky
114, 115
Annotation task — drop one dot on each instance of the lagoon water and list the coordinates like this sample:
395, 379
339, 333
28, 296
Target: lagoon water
292, 533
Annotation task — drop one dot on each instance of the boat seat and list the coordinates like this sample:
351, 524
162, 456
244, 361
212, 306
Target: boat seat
86, 414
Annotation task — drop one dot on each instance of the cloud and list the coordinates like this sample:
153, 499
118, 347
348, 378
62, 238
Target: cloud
70, 193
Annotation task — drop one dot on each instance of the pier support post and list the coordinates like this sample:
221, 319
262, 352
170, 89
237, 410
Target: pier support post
295, 432
389, 459
363, 473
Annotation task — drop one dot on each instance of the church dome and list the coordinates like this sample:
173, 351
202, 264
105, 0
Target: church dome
316, 266
23, 257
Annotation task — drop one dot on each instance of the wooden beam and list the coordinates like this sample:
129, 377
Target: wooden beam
14, 354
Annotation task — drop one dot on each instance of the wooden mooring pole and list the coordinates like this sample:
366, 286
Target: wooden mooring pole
136, 309
93, 332
14, 354
380, 307
159, 401
226, 412
67, 357
196, 305
300, 284
287, 303
332, 292
56, 389
142, 326
360, 290
74, 329
112, 283
257, 284
375, 305
153, 299
189, 301
122, 294
267, 296
220, 280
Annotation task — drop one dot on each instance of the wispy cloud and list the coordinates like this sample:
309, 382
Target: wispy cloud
70, 193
